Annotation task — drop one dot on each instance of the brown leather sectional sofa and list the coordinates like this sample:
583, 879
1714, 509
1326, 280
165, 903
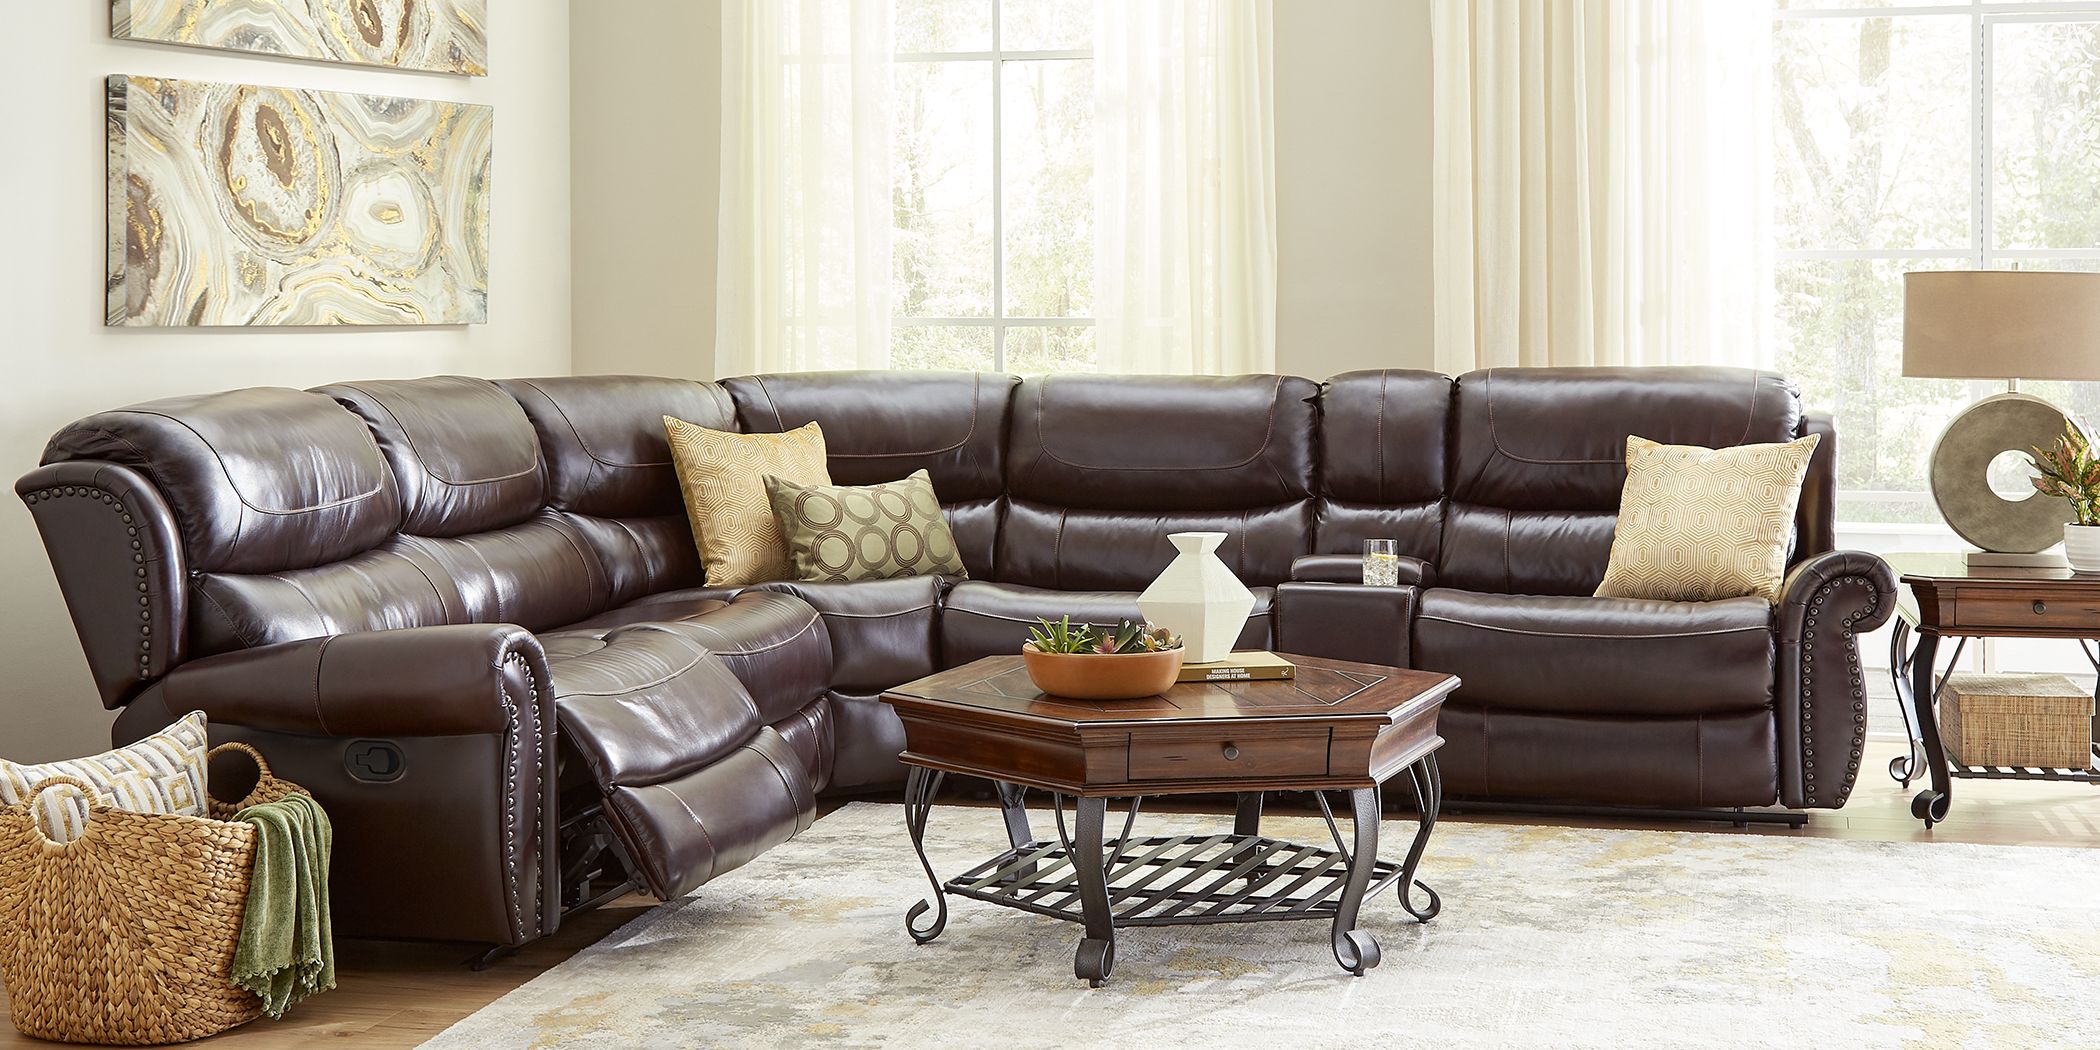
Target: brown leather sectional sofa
469, 615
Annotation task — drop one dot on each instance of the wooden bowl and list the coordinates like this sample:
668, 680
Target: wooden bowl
1097, 676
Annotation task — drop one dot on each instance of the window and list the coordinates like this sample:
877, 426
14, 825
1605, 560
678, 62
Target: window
993, 169
1940, 134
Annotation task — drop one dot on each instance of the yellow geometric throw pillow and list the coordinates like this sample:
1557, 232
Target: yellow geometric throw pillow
164, 773
723, 477
1702, 524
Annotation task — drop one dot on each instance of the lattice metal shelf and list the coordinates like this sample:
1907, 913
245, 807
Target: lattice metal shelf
2089, 775
1176, 880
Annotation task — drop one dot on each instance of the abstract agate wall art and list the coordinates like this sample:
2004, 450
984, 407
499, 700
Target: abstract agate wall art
235, 204
444, 36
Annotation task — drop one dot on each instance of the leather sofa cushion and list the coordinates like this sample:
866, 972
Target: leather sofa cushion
1383, 460
1538, 456
980, 618
603, 438
259, 480
773, 643
1162, 443
640, 556
463, 453
538, 574
881, 425
1598, 655
1113, 550
882, 631
646, 702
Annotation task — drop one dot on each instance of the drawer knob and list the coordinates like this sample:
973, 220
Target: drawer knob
1232, 754
2040, 607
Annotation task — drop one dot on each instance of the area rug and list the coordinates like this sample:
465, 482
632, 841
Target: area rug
1550, 937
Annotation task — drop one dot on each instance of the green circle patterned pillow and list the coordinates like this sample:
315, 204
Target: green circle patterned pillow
836, 533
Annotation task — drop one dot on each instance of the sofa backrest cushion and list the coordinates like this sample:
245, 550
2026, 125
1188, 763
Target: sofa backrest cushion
258, 480
609, 472
1382, 461
1538, 456
463, 453
1101, 468
881, 426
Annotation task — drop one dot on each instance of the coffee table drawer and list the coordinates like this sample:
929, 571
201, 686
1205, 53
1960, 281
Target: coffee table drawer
2019, 611
1167, 754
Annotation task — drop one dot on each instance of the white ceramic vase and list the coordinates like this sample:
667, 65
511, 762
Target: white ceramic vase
2082, 547
1199, 598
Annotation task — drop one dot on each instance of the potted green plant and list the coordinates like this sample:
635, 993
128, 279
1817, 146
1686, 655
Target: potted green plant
2070, 472
1130, 660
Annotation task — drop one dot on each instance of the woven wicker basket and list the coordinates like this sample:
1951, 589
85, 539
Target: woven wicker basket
125, 935
2036, 721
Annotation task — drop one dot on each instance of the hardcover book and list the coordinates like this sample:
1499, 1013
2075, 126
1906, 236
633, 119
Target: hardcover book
1240, 667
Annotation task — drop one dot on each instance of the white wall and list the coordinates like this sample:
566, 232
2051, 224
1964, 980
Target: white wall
1352, 185
645, 109
1352, 175
61, 363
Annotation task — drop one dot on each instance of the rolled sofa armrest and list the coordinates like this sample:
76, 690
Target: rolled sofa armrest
1349, 568
433, 750
1346, 621
1827, 601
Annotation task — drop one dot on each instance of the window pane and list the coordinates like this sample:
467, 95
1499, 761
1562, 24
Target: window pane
1048, 136
1840, 336
1033, 349
943, 25
949, 346
2045, 134
1046, 25
1826, 5
2080, 399
1873, 145
942, 159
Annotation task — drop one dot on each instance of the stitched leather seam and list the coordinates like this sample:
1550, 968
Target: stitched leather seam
952, 610
751, 746
320, 657
231, 625
585, 445
591, 565
789, 640
327, 623
345, 501
1495, 436
699, 656
976, 391
713, 854
443, 606
877, 616
424, 462
1581, 634
641, 556
1268, 435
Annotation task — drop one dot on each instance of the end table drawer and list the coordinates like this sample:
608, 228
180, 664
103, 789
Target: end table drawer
1168, 754
2016, 612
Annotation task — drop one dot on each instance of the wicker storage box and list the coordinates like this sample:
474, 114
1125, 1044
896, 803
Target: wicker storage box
2033, 720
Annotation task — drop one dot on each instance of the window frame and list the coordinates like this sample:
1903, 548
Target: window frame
1984, 16
998, 320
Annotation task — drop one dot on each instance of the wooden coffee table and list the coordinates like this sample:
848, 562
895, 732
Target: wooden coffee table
1336, 726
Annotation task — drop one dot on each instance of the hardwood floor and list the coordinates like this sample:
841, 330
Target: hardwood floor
397, 995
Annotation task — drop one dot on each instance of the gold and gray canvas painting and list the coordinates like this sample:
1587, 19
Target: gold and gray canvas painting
238, 204
444, 36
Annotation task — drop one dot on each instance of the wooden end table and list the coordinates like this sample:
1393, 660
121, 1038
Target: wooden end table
1336, 726
1945, 597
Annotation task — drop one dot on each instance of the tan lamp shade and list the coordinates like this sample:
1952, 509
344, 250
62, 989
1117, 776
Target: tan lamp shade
2001, 324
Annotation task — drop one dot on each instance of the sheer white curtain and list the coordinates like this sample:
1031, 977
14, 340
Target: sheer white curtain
1600, 179
1185, 186
804, 257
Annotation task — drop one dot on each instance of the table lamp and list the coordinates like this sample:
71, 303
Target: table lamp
2006, 325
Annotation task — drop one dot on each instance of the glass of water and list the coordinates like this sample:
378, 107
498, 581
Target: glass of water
1381, 563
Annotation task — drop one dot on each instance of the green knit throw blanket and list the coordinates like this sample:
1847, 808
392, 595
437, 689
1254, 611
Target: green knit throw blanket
287, 946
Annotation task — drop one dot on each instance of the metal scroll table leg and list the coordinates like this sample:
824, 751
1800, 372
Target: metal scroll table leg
1907, 766
919, 790
1356, 949
1930, 805
1429, 797
1013, 800
1097, 953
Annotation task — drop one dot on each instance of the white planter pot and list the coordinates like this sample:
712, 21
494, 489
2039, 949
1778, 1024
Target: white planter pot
1199, 598
2082, 547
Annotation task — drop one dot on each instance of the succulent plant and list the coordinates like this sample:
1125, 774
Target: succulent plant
1128, 636
2070, 471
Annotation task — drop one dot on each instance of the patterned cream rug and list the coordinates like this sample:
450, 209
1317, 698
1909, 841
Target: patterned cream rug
1550, 937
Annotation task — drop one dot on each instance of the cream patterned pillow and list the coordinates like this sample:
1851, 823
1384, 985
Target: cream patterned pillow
1702, 524
164, 773
723, 477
